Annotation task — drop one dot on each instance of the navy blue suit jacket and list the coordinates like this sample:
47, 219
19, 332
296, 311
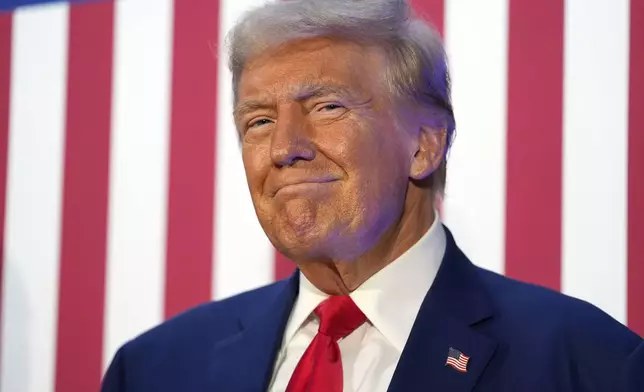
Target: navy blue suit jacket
519, 337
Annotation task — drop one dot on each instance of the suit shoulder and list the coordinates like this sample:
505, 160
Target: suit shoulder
546, 310
210, 321
181, 347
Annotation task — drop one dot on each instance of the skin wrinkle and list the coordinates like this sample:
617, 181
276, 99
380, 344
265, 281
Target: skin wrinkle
341, 232
307, 91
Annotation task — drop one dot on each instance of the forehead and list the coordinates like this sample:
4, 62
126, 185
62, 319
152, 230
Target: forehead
302, 66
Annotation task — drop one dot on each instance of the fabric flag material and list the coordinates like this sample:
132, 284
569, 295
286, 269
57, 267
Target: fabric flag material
123, 198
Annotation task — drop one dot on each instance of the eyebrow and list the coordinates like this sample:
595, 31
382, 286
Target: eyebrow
249, 106
301, 93
316, 89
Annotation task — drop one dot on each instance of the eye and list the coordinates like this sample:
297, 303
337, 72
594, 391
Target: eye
258, 123
330, 106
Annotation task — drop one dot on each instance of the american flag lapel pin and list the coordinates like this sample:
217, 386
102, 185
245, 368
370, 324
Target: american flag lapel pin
457, 360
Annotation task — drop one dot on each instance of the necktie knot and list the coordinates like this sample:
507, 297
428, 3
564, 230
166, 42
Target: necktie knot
320, 368
339, 316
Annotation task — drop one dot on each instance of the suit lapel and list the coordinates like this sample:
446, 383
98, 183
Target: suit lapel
244, 362
454, 304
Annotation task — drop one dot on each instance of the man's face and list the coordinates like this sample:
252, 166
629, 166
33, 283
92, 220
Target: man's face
326, 165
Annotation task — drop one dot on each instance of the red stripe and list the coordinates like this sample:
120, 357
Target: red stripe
636, 172
534, 142
192, 155
431, 10
85, 194
283, 266
456, 365
5, 83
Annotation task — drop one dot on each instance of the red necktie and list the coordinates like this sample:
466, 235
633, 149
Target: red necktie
320, 369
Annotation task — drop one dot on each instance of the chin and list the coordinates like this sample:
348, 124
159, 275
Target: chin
303, 245
296, 247
301, 230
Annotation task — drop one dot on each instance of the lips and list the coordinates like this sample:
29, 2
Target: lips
293, 183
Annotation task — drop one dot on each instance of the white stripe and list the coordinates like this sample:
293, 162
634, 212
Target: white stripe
456, 364
474, 207
595, 152
139, 170
34, 197
243, 255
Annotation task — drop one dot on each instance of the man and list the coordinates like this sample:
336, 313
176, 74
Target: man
345, 120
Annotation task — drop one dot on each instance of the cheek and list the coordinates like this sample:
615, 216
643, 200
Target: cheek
256, 167
378, 160
380, 175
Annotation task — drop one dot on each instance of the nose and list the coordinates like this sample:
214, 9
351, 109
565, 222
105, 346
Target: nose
290, 140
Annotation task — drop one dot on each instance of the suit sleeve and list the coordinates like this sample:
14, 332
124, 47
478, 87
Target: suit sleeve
632, 378
114, 379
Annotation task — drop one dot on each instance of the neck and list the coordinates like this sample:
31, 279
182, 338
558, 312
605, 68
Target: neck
341, 277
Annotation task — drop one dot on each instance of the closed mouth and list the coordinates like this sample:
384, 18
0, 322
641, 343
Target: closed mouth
303, 184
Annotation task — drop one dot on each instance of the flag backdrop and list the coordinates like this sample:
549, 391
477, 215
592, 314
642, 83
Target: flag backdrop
123, 199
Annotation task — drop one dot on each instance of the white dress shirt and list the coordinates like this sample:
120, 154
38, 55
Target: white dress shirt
390, 299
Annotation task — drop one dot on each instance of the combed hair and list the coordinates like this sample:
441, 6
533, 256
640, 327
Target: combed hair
417, 64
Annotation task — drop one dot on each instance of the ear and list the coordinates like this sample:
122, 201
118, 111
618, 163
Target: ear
430, 152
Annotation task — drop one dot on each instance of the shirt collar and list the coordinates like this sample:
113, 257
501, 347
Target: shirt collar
392, 297
308, 298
